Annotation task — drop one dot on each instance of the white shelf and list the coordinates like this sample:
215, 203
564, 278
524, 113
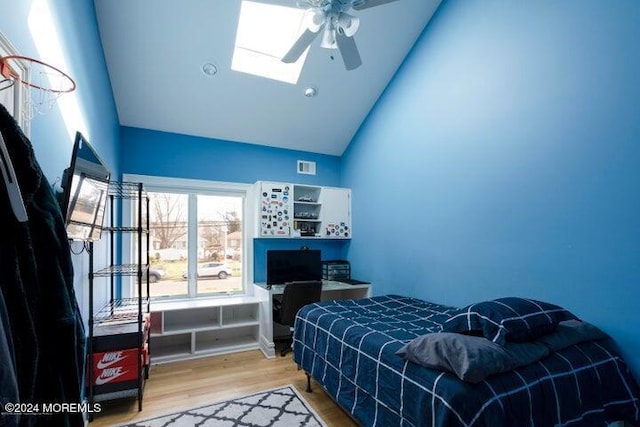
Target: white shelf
193, 328
172, 345
188, 319
201, 302
239, 315
216, 340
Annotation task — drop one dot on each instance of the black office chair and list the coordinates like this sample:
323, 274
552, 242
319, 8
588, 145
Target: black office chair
295, 296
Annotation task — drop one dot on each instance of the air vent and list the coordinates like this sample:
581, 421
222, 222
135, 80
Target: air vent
307, 168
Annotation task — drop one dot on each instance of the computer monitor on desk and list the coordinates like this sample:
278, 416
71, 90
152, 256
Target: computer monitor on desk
284, 266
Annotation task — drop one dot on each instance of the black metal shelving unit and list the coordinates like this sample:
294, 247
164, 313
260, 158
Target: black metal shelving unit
122, 325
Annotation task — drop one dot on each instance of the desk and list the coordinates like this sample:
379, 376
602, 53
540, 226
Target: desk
331, 290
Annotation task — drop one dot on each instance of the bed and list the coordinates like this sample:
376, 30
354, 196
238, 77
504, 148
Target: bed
349, 347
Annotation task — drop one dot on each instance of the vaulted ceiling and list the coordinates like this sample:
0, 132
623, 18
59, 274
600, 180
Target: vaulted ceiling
155, 52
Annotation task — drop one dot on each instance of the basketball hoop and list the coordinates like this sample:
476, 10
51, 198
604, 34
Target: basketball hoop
50, 82
6, 83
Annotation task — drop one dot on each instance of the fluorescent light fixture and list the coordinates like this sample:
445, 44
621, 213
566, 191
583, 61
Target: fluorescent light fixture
265, 34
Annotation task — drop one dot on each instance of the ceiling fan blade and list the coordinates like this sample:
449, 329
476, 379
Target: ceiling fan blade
349, 51
307, 3
359, 5
299, 46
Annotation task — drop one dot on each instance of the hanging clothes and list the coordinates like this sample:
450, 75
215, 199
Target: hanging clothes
36, 280
8, 381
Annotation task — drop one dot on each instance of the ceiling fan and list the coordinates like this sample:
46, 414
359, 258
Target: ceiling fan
339, 28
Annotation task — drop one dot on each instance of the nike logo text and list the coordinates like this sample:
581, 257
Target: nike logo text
109, 359
109, 375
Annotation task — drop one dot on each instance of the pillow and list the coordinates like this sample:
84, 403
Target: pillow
526, 353
567, 333
571, 332
471, 358
508, 319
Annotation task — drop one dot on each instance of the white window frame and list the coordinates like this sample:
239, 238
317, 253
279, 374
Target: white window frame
202, 187
19, 91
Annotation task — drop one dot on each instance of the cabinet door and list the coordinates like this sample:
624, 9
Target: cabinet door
276, 209
336, 213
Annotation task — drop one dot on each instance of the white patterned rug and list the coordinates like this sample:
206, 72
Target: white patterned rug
279, 407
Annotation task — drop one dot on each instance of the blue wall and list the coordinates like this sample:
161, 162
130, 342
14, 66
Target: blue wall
77, 31
506, 154
52, 136
147, 152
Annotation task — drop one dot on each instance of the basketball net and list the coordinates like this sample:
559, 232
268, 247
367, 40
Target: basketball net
43, 83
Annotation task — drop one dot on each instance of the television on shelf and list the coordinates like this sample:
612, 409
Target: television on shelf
85, 187
284, 266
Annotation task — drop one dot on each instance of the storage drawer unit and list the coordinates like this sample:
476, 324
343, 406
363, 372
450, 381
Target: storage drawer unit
336, 269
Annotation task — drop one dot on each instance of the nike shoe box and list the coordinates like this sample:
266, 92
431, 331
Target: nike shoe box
117, 366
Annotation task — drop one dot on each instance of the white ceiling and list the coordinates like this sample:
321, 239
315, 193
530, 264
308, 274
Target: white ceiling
155, 50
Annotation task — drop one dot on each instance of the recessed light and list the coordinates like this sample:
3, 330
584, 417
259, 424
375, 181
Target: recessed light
310, 92
209, 69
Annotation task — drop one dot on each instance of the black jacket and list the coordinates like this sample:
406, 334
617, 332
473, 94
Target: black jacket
36, 280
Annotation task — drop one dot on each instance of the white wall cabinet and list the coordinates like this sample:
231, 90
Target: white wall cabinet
275, 209
294, 210
191, 329
336, 213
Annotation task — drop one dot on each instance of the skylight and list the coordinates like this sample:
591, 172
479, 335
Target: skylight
265, 34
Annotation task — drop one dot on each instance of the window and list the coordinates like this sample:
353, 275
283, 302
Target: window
168, 236
196, 238
219, 226
14, 96
265, 34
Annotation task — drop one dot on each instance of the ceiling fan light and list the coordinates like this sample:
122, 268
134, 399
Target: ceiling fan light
314, 20
328, 38
348, 24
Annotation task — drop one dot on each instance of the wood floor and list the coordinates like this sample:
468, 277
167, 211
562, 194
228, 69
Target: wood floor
182, 385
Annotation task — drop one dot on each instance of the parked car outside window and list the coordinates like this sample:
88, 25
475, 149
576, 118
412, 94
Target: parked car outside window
212, 269
155, 274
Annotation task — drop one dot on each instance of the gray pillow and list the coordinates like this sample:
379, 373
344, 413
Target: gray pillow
471, 358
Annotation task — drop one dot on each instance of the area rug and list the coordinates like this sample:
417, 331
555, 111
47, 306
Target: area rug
279, 407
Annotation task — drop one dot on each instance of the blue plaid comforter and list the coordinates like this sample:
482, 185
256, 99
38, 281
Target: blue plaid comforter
349, 348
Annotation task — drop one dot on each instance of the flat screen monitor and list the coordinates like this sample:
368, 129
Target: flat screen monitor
85, 188
285, 266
